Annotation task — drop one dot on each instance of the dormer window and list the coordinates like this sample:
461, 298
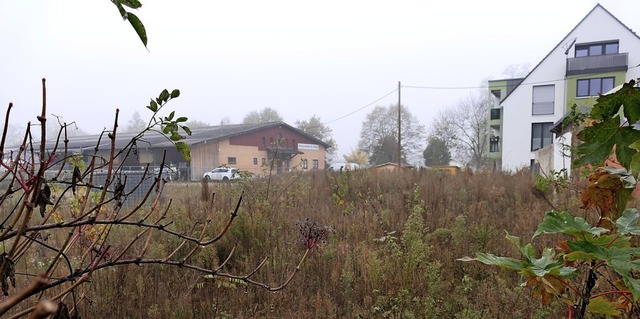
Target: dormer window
597, 48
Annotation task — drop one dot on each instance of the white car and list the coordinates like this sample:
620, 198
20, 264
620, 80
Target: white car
221, 174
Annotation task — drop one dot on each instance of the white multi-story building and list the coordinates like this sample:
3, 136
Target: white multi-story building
599, 54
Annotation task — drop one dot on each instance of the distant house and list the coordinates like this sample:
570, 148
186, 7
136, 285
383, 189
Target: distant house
256, 148
599, 54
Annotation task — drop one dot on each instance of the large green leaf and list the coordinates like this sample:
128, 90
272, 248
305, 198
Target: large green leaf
549, 264
628, 222
565, 223
528, 251
599, 140
138, 27
623, 261
626, 98
603, 306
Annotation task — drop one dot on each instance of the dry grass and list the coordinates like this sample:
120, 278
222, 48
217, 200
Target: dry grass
375, 264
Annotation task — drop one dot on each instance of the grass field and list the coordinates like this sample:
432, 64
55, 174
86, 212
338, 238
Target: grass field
392, 252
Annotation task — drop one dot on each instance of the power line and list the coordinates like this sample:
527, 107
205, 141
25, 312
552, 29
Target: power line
362, 108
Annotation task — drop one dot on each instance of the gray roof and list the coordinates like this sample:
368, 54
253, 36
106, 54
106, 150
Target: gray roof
157, 140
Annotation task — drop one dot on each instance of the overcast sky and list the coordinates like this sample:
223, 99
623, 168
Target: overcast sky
301, 58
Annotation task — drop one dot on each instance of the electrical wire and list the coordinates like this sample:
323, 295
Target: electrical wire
362, 108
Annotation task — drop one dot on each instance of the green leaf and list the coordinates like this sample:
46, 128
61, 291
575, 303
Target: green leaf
183, 148
599, 140
166, 129
176, 137
153, 106
138, 26
603, 306
171, 115
181, 119
175, 93
627, 224
565, 223
528, 251
164, 95
123, 12
634, 166
633, 285
626, 98
133, 4
186, 129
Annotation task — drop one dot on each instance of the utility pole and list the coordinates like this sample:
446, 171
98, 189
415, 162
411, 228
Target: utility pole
399, 131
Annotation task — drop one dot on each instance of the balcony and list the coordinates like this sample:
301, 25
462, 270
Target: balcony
598, 64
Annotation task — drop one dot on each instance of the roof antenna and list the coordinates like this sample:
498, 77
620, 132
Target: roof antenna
567, 46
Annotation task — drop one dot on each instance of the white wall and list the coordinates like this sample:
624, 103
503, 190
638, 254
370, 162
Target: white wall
516, 138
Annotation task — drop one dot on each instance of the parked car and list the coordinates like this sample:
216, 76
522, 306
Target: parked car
221, 174
169, 173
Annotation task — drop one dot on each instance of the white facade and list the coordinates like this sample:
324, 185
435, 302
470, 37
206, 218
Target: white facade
599, 26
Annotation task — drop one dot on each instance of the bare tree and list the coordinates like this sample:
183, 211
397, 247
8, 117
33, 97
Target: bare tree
464, 129
75, 225
517, 70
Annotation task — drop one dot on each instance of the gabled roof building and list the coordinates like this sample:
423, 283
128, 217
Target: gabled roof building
599, 54
255, 148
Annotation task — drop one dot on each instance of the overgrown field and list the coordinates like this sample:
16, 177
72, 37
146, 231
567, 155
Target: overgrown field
392, 252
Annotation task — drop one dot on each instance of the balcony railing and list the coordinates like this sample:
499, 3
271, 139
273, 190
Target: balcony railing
598, 64
494, 144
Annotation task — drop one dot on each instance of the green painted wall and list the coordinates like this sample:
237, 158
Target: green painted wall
572, 87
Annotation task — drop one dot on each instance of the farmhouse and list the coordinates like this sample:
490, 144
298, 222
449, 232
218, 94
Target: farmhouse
256, 148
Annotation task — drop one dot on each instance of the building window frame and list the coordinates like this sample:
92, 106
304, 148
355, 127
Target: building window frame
495, 114
543, 99
589, 90
316, 164
232, 160
255, 161
264, 161
541, 135
597, 48
304, 163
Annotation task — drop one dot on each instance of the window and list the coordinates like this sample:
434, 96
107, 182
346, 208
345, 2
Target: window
315, 164
591, 87
304, 164
543, 99
271, 141
264, 161
495, 114
264, 142
496, 93
541, 135
231, 160
255, 161
593, 49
